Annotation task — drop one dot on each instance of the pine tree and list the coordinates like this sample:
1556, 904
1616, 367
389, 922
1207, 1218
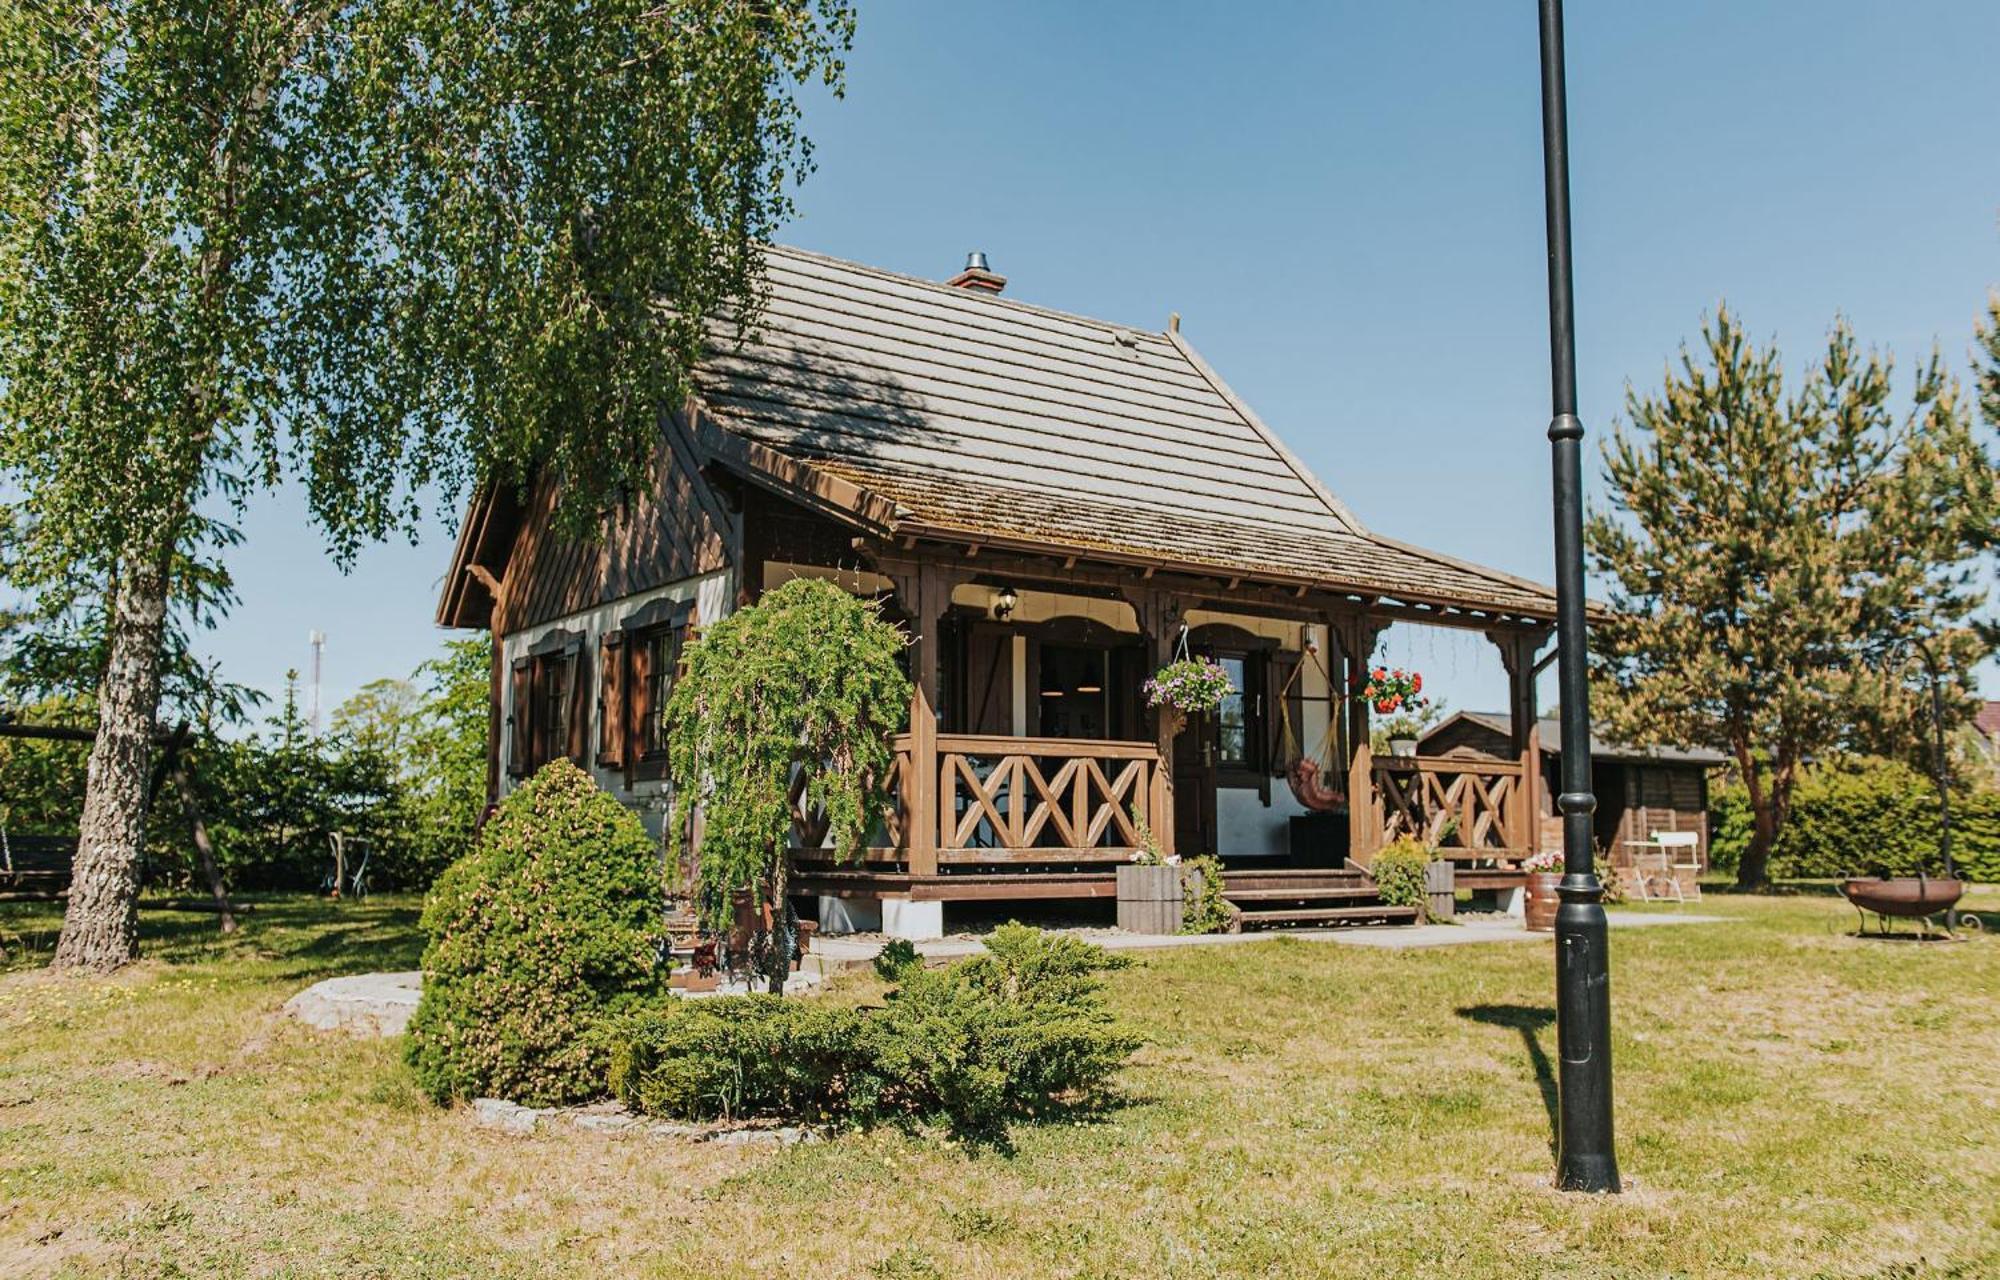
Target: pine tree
1774, 555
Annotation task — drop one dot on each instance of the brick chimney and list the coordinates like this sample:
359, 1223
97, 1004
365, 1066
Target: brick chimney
977, 277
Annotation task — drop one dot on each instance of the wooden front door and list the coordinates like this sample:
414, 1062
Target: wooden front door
1194, 788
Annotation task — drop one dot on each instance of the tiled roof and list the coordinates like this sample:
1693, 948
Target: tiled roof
984, 417
1987, 719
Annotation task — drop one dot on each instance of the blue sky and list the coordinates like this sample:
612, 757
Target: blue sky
1343, 201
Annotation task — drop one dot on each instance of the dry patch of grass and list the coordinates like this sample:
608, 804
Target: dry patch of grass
1300, 1110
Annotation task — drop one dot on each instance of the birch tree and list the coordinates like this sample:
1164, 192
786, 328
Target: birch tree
1774, 556
390, 248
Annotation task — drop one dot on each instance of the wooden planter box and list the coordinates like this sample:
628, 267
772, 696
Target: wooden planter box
1441, 885
1149, 898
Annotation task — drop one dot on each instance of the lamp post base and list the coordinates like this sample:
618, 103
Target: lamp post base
1586, 1159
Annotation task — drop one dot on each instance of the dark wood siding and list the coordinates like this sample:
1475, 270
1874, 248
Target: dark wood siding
679, 529
1467, 737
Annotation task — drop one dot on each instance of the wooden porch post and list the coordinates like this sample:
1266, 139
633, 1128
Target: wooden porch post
1160, 618
1364, 823
1529, 830
1356, 635
1517, 655
925, 595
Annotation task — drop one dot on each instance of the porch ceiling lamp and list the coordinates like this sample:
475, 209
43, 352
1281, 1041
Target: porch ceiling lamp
1005, 603
1585, 1157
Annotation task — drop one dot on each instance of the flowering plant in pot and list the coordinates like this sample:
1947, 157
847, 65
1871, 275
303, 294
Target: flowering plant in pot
1545, 872
1393, 691
1187, 686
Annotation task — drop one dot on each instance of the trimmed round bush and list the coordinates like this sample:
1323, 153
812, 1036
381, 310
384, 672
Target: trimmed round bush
548, 927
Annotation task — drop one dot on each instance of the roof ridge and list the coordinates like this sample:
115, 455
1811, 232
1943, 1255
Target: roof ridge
1312, 482
984, 299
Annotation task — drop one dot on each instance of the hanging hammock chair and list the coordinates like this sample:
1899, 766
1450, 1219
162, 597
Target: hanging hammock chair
1315, 779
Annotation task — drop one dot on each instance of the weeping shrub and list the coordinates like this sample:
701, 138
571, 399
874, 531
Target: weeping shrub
551, 924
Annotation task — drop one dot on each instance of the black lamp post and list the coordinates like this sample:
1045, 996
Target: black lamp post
1585, 1159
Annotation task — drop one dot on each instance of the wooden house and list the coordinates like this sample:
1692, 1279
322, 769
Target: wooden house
1053, 506
1639, 790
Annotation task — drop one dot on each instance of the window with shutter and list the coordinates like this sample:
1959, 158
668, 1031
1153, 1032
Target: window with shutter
576, 687
520, 719
653, 638
610, 691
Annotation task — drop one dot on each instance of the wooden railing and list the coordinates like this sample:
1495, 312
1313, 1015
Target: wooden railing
1003, 799
979, 798
1469, 809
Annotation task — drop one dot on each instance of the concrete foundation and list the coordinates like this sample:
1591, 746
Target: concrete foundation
917, 921
849, 915
1513, 902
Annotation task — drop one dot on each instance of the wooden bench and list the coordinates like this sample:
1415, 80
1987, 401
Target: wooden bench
36, 862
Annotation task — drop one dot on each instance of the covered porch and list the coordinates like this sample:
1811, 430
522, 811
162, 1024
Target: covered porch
1033, 769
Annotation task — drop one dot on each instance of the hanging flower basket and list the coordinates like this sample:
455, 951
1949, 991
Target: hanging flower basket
1186, 687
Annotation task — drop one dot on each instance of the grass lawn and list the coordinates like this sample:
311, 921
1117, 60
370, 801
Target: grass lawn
1792, 1101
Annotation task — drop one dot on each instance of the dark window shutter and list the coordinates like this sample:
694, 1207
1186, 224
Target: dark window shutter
638, 700
610, 696
576, 704
520, 723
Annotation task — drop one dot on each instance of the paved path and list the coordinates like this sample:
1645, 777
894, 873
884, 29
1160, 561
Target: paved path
380, 1004
837, 953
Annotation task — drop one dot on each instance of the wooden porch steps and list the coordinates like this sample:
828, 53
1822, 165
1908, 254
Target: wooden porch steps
1376, 913
1294, 895
1307, 898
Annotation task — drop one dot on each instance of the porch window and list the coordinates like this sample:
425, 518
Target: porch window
1233, 734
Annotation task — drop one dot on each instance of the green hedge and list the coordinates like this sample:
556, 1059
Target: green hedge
548, 927
1861, 817
1006, 1034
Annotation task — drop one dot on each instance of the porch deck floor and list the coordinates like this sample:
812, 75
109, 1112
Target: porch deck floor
845, 952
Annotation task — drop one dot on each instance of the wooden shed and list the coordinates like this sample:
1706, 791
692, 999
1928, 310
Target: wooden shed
1640, 790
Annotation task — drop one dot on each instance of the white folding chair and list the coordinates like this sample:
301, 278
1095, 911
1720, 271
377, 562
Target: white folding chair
1652, 877
1683, 850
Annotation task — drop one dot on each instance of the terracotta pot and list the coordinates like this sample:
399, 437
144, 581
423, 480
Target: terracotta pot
1542, 900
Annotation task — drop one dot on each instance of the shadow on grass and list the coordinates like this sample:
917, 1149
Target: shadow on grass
305, 937
1529, 1021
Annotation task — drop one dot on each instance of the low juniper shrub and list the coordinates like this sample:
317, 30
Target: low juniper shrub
727, 1057
999, 1036
993, 1038
897, 958
550, 925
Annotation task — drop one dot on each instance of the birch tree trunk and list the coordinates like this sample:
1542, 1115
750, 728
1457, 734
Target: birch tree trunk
101, 925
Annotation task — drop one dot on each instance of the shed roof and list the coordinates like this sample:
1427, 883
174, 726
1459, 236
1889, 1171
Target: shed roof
986, 418
1549, 730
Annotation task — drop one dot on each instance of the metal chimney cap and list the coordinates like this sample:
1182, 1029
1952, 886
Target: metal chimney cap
976, 261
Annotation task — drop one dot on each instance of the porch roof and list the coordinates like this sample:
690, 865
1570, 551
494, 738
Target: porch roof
934, 412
